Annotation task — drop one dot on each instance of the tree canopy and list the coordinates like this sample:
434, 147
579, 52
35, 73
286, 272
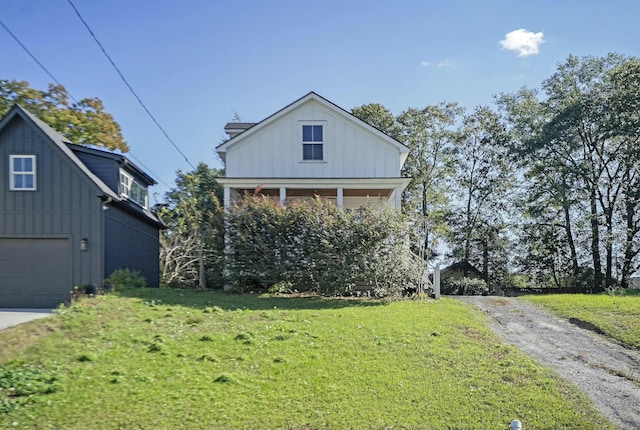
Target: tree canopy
83, 123
546, 183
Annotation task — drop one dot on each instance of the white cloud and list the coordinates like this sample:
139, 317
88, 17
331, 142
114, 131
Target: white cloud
524, 42
443, 63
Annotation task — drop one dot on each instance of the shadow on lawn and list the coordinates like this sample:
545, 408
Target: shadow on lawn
204, 299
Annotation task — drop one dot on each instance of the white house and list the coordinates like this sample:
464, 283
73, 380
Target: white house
313, 147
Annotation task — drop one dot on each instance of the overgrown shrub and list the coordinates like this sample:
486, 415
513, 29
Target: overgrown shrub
123, 279
314, 246
464, 287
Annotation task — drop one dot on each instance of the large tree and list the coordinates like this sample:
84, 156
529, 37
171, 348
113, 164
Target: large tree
625, 121
429, 133
579, 143
377, 116
483, 179
191, 248
84, 122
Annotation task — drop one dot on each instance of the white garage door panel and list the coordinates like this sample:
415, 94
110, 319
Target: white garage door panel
34, 273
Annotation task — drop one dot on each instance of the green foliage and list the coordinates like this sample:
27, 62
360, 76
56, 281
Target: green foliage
21, 382
83, 123
483, 180
314, 246
377, 116
123, 279
191, 248
576, 142
429, 133
464, 287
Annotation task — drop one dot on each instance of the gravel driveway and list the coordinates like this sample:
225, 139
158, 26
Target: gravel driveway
605, 371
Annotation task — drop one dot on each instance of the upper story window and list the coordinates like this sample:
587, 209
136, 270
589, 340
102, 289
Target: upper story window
133, 190
312, 142
22, 172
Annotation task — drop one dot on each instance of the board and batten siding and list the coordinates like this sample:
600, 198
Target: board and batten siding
65, 203
349, 150
131, 243
104, 168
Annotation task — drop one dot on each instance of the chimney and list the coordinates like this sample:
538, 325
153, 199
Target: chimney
235, 128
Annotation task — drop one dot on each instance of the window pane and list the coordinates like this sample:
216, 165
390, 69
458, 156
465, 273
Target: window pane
17, 181
27, 164
28, 181
17, 164
317, 152
307, 151
317, 133
307, 133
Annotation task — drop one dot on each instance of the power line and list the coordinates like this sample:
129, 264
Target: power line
129, 154
36, 60
128, 85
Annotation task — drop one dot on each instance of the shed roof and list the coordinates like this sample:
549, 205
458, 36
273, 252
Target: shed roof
119, 158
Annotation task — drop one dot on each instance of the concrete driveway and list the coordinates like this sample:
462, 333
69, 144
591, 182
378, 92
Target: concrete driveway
11, 317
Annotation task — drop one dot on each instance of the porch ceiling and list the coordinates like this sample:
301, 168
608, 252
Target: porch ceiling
368, 186
324, 192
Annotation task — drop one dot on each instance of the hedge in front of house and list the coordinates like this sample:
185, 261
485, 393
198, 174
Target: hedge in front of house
314, 246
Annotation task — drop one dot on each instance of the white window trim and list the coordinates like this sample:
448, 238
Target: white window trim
127, 193
323, 142
12, 173
123, 189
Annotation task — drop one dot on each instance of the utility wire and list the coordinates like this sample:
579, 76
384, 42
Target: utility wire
34, 58
128, 85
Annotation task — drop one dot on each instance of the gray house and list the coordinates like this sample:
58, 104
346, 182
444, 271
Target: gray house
69, 215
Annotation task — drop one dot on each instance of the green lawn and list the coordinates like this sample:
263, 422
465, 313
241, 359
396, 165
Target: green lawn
171, 359
616, 316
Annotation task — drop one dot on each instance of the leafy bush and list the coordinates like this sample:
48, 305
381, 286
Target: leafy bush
465, 287
314, 246
123, 279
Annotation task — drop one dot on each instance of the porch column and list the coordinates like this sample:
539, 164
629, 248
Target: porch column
398, 197
283, 195
227, 198
339, 197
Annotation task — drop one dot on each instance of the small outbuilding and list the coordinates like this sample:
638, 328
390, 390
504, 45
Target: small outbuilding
461, 269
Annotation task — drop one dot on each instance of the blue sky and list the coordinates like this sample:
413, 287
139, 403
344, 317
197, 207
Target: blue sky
196, 62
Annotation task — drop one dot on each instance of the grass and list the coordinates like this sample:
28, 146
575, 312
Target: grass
615, 316
171, 359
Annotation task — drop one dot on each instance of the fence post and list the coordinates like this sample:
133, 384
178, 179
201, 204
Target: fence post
436, 280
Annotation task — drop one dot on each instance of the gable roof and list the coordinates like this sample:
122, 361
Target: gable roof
62, 143
58, 140
461, 265
222, 148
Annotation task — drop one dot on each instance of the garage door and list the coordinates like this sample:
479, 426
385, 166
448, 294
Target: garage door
34, 273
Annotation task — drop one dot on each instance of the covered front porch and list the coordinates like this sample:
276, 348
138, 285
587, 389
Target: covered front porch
347, 193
